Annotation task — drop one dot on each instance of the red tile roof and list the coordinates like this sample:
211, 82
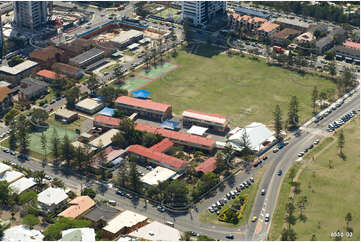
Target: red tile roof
207, 166
157, 156
49, 74
212, 117
174, 135
352, 44
162, 146
78, 206
107, 120
268, 27
147, 104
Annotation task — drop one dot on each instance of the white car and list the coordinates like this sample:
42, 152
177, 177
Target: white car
316, 142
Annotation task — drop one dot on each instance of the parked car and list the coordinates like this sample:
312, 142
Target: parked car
254, 219
6, 150
12, 152
128, 195
265, 157
275, 150
251, 179
279, 172
300, 154
121, 193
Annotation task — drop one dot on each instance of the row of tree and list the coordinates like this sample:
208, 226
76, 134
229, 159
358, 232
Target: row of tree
320, 11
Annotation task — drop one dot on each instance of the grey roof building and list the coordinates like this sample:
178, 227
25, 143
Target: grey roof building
101, 214
87, 58
347, 52
31, 89
292, 23
324, 44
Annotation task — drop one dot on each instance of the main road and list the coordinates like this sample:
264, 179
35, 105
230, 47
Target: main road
190, 221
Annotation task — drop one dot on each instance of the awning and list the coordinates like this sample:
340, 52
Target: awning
170, 125
141, 93
107, 112
197, 130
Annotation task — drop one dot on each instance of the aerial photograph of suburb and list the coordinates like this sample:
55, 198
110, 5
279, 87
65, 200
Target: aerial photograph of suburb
179, 120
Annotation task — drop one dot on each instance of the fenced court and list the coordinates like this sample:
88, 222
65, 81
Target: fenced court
35, 137
144, 78
134, 83
158, 71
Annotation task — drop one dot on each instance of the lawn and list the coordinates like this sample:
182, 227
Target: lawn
61, 129
211, 218
242, 89
332, 193
329, 200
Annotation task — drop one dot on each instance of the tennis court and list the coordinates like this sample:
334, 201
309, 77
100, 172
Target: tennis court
158, 70
134, 83
35, 137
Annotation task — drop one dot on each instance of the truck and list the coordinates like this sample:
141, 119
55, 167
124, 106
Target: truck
278, 49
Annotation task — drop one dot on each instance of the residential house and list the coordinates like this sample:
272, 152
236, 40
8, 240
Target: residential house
22, 233
124, 223
78, 234
101, 214
22, 185
78, 207
267, 29
52, 198
156, 231
280, 38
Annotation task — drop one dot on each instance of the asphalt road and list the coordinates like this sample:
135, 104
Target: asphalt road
284, 160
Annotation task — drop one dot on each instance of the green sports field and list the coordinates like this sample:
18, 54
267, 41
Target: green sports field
242, 89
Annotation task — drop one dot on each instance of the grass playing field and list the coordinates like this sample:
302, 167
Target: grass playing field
331, 192
242, 89
158, 70
134, 83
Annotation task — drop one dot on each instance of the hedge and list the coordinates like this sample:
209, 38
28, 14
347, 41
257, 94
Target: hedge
227, 215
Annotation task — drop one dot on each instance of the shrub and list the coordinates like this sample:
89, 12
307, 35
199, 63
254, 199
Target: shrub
26, 197
30, 220
88, 192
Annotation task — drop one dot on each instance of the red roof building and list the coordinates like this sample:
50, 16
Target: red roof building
103, 121
209, 120
156, 157
353, 45
162, 146
179, 137
49, 75
146, 108
208, 165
